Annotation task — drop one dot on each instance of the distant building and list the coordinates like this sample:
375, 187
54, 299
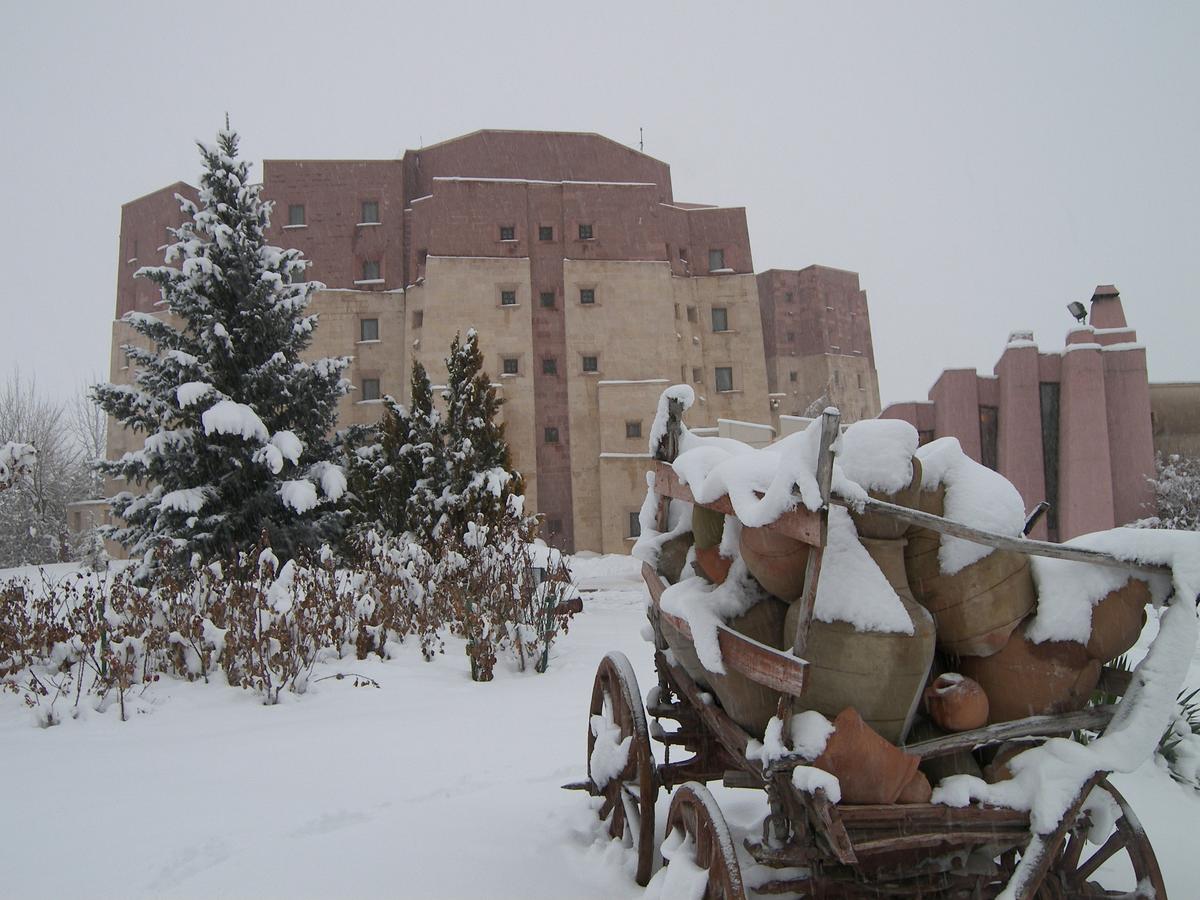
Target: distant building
1071, 427
1175, 413
592, 289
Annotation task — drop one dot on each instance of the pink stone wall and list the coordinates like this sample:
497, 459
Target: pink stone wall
1019, 444
1085, 496
1130, 432
955, 396
144, 224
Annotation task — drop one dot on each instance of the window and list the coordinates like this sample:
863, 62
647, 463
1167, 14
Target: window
683, 254
370, 212
549, 366
554, 526
724, 378
635, 525
295, 215
788, 297
720, 318
585, 232
591, 364
550, 435
368, 329
508, 232
545, 232
716, 260
371, 270
418, 318
509, 365
861, 386
677, 310
692, 315
791, 337
508, 298
587, 295
370, 388
793, 376
697, 375
547, 299
633, 429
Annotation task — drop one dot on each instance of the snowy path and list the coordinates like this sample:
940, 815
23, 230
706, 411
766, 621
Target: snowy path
428, 787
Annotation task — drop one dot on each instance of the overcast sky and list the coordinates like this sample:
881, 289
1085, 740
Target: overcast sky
979, 167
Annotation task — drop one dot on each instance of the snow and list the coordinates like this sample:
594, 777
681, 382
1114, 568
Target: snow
610, 754
975, 495
877, 454
290, 447
809, 780
191, 391
852, 588
299, 494
188, 500
705, 606
228, 417
681, 392
810, 732
440, 777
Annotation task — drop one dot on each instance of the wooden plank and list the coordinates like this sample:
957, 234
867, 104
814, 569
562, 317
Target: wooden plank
1093, 719
812, 570
1000, 541
762, 664
800, 524
918, 815
926, 841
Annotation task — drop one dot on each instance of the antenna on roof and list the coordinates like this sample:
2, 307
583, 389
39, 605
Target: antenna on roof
641, 143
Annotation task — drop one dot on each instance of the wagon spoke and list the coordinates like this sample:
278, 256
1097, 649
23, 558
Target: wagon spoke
1116, 841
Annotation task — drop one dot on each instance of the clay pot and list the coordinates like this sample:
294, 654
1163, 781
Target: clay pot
997, 769
712, 564
1028, 679
707, 526
868, 767
1117, 620
888, 554
880, 674
918, 789
776, 561
672, 556
746, 702
876, 525
936, 768
956, 703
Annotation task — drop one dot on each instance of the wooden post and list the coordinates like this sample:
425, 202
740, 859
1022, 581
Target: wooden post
830, 419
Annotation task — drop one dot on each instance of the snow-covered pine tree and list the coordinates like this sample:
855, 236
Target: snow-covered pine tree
427, 459
479, 470
236, 425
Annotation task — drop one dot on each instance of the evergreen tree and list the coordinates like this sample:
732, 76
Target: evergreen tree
427, 459
236, 425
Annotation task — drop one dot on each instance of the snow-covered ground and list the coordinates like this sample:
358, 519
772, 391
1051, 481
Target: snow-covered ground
429, 786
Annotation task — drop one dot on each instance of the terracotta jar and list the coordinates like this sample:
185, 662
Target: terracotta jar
935, 768
708, 526
869, 768
712, 564
672, 556
877, 525
776, 561
1028, 679
1117, 620
888, 554
956, 703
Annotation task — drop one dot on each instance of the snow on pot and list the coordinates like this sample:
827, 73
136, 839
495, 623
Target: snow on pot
868, 646
956, 703
878, 454
869, 768
776, 561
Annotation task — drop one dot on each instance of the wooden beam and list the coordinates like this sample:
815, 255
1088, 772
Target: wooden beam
1093, 719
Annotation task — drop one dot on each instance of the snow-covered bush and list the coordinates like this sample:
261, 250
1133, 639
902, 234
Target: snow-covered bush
1176, 493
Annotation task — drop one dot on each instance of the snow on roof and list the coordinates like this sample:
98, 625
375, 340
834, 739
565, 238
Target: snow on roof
636, 381
615, 455
1070, 348
1127, 345
542, 181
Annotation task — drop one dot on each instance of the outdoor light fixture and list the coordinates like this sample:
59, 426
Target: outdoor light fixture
1078, 310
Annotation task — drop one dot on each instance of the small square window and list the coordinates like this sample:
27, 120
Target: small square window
508, 232
635, 525
793, 376
508, 298
683, 254
724, 379
550, 435
587, 295
692, 315
554, 526
697, 375
418, 318
585, 232
295, 215
791, 336
633, 429
370, 212
550, 366
545, 232
368, 329
547, 298
720, 318
510, 365
371, 270
591, 364
370, 388
788, 297
716, 260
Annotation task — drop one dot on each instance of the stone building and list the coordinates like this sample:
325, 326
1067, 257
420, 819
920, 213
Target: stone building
1072, 427
591, 287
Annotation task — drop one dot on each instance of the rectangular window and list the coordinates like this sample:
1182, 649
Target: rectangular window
720, 318
697, 375
585, 232
370, 388
861, 385
370, 270
545, 232
591, 364
692, 315
587, 295
550, 435
550, 366
788, 296
295, 215
509, 365
370, 212
633, 429
547, 299
989, 429
508, 232
791, 337
677, 310
368, 329
716, 260
418, 318
508, 298
793, 376
724, 378
635, 525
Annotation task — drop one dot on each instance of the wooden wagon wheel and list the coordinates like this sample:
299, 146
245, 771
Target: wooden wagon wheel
1074, 871
617, 716
696, 828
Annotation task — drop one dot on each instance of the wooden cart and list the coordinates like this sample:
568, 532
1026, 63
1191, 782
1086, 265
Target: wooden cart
821, 849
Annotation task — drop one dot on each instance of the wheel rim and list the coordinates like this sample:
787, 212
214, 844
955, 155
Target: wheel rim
627, 797
695, 814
